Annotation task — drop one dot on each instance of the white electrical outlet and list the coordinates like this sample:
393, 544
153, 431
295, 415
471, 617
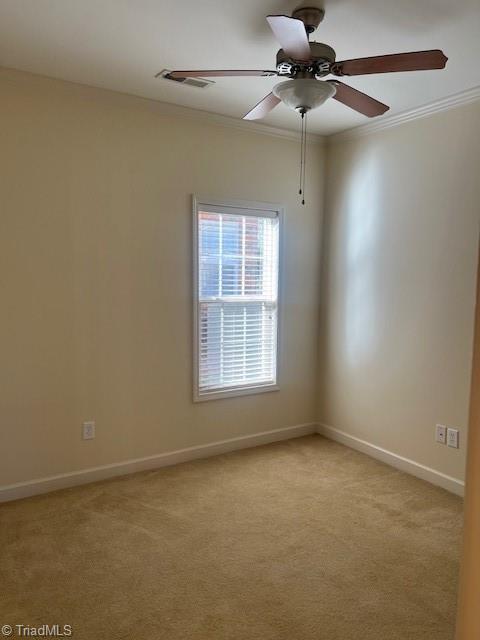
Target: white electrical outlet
452, 438
88, 430
441, 433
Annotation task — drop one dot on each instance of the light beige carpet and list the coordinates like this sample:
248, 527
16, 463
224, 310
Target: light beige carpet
300, 540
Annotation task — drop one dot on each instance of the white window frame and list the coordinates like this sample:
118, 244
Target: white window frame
240, 207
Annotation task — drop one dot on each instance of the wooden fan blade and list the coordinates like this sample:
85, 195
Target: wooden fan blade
292, 36
219, 73
261, 109
414, 61
357, 100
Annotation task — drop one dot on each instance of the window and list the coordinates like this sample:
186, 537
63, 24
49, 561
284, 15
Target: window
236, 299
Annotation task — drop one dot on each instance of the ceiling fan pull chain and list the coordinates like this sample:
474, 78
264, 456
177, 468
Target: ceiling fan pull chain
304, 157
301, 156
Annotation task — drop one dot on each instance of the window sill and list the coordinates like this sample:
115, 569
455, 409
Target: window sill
233, 393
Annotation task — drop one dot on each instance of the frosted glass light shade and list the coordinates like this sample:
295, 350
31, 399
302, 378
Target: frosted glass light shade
304, 93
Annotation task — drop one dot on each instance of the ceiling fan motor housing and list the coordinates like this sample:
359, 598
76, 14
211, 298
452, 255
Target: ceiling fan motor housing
322, 56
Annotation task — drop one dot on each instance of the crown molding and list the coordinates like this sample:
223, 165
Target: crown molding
174, 110
388, 122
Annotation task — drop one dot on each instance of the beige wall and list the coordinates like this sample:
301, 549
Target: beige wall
95, 218
400, 247
95, 276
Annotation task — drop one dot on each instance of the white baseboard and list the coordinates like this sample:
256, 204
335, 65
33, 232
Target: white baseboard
399, 462
93, 474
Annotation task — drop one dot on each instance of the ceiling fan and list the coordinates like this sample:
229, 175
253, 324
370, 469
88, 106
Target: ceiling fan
303, 62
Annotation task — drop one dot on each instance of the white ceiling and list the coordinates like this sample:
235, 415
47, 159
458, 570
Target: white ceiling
121, 44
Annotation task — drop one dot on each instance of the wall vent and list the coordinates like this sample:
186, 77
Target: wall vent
200, 83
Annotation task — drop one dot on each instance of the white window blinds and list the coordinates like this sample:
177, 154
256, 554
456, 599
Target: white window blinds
237, 286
